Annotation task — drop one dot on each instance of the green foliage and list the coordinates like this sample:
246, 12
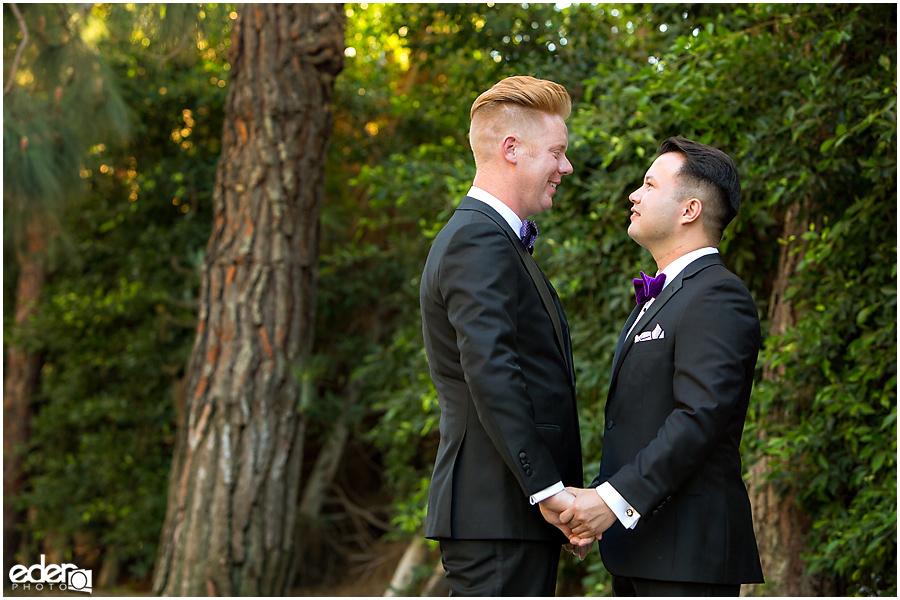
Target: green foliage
392, 144
808, 113
62, 100
837, 448
119, 319
102, 434
802, 96
837, 378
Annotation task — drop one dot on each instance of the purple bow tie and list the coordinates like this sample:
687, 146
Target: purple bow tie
646, 287
528, 233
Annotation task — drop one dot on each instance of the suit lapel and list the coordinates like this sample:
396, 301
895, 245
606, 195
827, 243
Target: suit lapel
621, 342
626, 342
537, 276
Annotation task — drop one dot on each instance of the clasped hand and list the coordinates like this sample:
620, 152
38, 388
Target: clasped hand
581, 514
564, 503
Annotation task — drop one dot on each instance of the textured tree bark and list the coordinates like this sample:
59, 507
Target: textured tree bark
20, 382
780, 526
235, 476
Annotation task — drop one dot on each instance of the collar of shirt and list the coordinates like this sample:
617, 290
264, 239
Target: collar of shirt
672, 271
506, 212
678, 265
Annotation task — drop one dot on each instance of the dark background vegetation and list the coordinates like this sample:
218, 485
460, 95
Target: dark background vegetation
121, 108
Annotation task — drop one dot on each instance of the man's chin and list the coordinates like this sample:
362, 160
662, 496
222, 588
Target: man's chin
634, 235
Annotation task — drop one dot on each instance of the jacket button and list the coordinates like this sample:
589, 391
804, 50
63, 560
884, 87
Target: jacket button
528, 471
609, 424
522, 454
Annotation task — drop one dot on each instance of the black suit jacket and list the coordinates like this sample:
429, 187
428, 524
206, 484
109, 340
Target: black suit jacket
674, 419
499, 353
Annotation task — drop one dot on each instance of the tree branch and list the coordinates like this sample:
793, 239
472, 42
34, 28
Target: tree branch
358, 510
15, 64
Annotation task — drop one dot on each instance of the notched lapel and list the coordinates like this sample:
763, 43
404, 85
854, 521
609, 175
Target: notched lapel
671, 289
543, 289
628, 342
621, 343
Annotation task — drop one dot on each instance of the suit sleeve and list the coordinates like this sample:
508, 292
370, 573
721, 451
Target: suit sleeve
478, 282
717, 343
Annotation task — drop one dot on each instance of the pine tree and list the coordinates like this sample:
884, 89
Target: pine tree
235, 478
59, 99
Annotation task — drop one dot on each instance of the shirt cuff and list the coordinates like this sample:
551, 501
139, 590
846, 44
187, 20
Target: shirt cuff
547, 492
620, 507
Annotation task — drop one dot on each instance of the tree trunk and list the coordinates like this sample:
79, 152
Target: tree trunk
414, 557
235, 476
780, 526
437, 583
22, 369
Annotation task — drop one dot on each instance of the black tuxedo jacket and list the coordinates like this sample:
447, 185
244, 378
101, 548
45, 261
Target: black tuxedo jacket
500, 357
674, 419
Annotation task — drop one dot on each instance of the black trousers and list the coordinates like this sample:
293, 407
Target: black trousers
635, 586
500, 567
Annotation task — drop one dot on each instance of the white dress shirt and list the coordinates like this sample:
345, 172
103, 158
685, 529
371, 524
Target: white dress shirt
506, 212
620, 507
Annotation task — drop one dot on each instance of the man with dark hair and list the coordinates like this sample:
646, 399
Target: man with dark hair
669, 505
710, 172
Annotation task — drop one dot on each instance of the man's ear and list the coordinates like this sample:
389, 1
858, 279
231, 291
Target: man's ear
508, 148
693, 208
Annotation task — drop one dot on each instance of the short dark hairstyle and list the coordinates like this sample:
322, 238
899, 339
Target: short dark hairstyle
710, 173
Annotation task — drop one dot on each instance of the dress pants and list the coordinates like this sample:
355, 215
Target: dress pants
500, 567
635, 586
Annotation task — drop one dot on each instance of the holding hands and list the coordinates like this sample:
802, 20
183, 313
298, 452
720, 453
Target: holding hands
587, 516
564, 503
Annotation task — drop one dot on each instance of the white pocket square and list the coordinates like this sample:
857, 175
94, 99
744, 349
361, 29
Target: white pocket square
656, 334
